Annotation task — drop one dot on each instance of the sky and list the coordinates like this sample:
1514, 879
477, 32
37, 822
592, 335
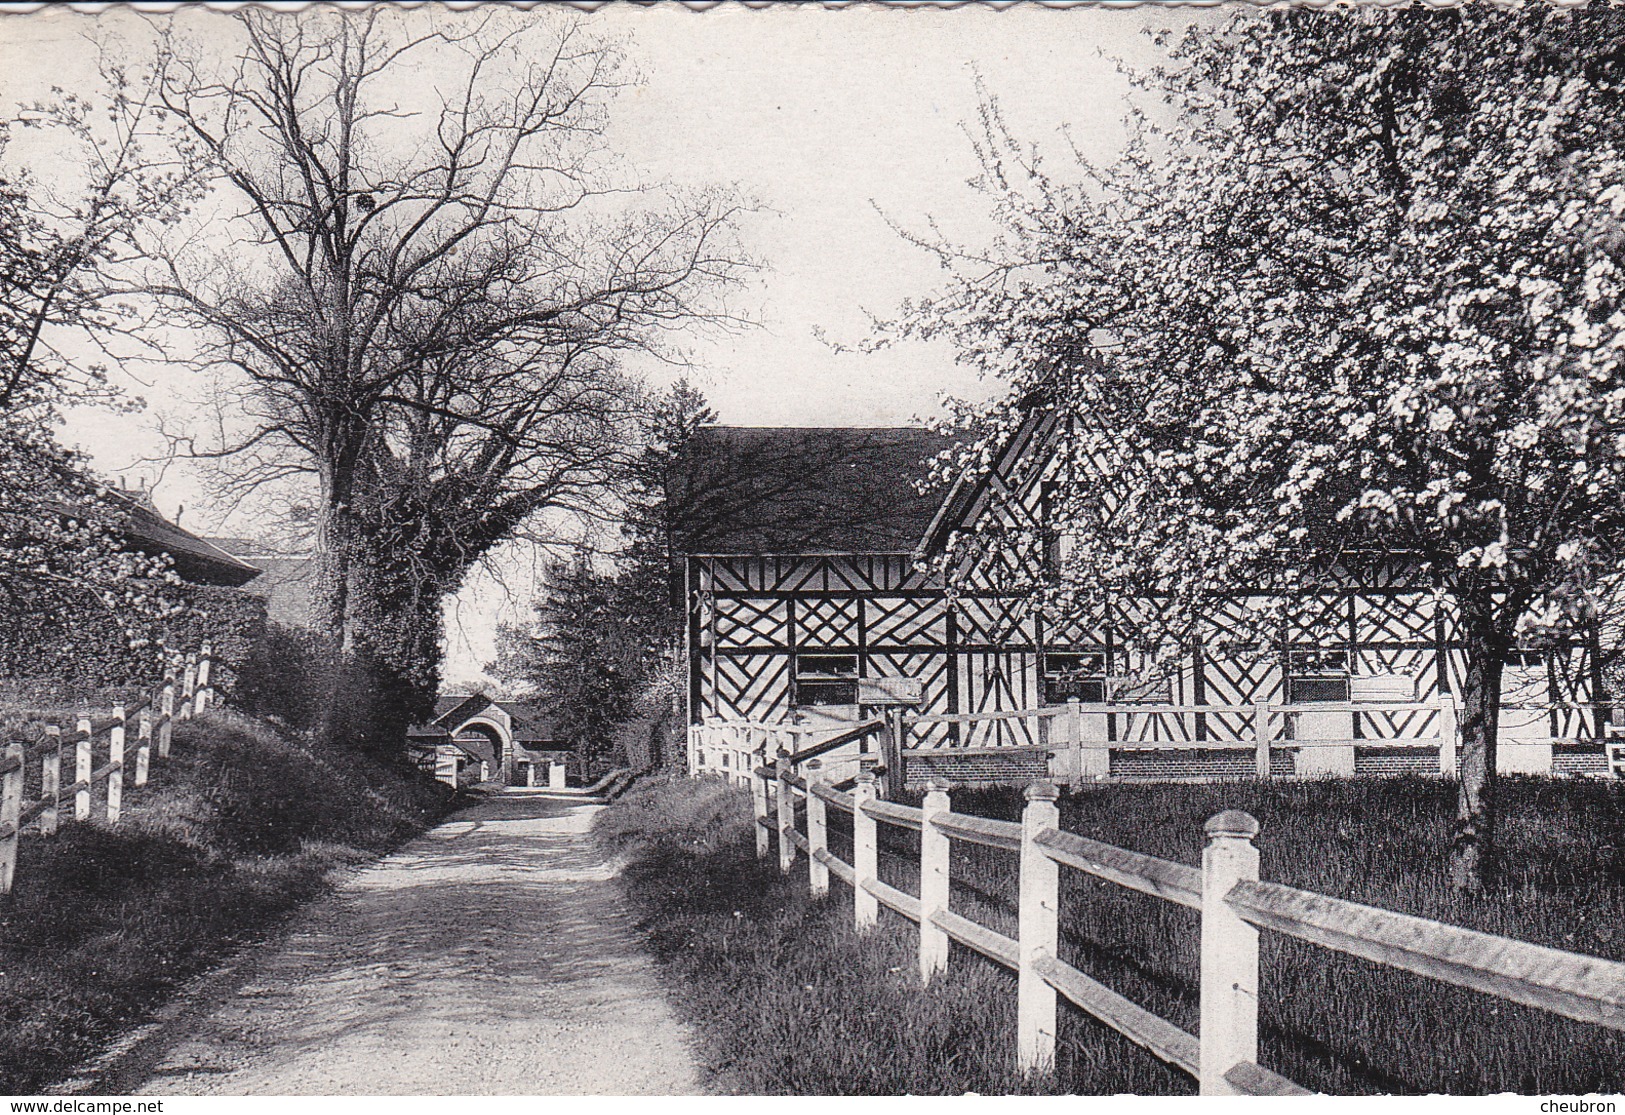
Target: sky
838, 123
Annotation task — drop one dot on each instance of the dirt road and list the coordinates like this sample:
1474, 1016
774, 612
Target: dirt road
491, 956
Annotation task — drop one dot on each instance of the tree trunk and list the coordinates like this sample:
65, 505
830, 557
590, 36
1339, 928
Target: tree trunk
335, 538
329, 595
1472, 841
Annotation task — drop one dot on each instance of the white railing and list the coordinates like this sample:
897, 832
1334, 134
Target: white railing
1080, 738
152, 717
1076, 742
1233, 902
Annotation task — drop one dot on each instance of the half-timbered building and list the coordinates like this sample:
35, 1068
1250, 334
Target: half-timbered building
805, 572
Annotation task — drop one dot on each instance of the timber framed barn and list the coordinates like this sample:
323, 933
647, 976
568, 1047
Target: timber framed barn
804, 564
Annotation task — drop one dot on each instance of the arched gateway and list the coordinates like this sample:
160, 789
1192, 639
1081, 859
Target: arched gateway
474, 738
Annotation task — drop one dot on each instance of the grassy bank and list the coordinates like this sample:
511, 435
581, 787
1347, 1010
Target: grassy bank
1332, 1023
238, 827
786, 999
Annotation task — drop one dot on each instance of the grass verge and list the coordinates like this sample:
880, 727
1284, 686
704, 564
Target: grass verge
790, 1001
240, 825
786, 998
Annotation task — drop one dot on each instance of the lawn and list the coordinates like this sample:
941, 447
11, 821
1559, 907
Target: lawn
240, 825
791, 1002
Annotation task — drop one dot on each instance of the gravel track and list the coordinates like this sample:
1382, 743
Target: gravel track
493, 955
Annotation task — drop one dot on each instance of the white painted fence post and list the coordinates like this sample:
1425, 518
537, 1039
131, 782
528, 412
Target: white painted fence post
1036, 936
1229, 1025
1074, 740
50, 778
166, 717
758, 807
115, 760
189, 687
143, 746
1447, 735
817, 832
1262, 737
1066, 753
205, 692
81, 769
11, 812
787, 814
865, 855
934, 879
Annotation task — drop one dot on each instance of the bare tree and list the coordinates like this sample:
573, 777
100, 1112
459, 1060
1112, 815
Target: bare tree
431, 268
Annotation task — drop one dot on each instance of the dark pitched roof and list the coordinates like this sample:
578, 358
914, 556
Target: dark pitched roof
531, 724
196, 559
451, 709
794, 490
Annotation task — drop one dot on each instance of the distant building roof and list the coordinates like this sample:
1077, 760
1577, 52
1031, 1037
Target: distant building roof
797, 490
284, 580
531, 725
196, 559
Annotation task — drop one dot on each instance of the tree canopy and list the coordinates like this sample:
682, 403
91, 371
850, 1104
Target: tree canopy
1354, 289
75, 598
603, 640
434, 281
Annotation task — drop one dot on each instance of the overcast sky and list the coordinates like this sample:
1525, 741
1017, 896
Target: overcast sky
834, 120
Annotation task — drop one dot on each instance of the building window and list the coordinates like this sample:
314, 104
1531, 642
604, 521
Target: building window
1079, 676
826, 679
1317, 675
1526, 659
1140, 691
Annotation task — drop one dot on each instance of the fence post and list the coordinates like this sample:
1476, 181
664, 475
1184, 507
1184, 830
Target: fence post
166, 714
188, 687
1447, 735
205, 692
1074, 738
50, 778
1229, 1024
934, 853
1037, 931
865, 855
11, 812
1262, 737
817, 832
115, 761
758, 804
81, 769
143, 746
787, 815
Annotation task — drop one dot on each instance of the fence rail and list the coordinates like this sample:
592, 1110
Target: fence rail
152, 716
1225, 889
1079, 742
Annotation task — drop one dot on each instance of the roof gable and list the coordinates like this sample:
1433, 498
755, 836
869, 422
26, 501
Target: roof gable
454, 708
1018, 465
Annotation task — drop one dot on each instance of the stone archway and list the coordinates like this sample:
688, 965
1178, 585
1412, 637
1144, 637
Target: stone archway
484, 729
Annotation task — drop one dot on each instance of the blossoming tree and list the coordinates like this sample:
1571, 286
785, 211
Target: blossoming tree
1352, 295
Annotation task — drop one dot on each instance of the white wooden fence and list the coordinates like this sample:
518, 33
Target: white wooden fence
1077, 742
1234, 905
152, 717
